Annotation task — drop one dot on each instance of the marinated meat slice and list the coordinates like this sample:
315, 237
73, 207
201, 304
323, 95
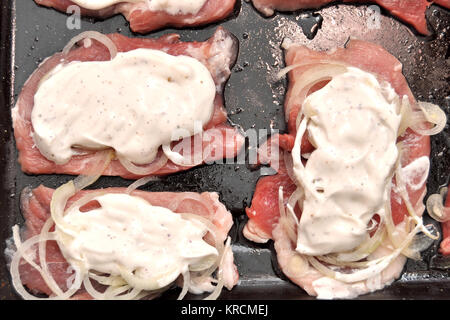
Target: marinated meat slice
218, 54
264, 213
143, 20
35, 206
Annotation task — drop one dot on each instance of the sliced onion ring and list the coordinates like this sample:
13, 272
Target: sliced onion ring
436, 209
141, 182
92, 291
150, 169
405, 113
107, 280
128, 285
118, 293
401, 188
45, 274
429, 114
186, 282
107, 42
315, 74
288, 69
83, 181
17, 283
189, 160
174, 206
373, 266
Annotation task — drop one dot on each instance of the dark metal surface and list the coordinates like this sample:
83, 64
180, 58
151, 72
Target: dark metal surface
254, 99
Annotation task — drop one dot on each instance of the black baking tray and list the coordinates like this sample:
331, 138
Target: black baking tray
254, 99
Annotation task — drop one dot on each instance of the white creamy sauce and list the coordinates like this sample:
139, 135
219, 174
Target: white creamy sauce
353, 122
134, 103
101, 4
172, 7
127, 234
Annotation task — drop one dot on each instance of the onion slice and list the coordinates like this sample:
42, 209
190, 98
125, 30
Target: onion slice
92, 291
83, 181
373, 266
220, 284
436, 209
189, 160
139, 183
174, 206
401, 188
15, 275
421, 241
49, 280
114, 281
409, 242
138, 287
426, 119
144, 171
186, 282
289, 166
105, 40
317, 73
